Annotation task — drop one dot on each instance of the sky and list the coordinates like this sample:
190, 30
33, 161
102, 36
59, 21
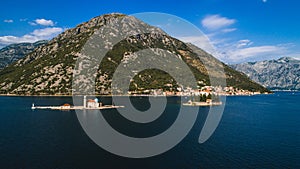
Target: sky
240, 30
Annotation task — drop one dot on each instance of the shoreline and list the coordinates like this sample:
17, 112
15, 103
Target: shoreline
144, 95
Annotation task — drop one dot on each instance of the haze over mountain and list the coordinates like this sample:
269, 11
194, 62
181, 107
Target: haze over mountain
49, 68
14, 52
281, 74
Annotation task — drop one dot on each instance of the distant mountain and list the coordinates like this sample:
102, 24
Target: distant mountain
14, 52
281, 74
49, 68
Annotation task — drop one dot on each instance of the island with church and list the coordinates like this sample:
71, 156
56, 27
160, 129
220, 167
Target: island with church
90, 104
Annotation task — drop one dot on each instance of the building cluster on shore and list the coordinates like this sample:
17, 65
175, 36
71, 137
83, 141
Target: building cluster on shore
206, 90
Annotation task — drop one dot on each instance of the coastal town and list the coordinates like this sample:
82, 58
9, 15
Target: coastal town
206, 90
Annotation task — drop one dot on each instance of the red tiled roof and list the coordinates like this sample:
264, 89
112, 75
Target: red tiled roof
90, 100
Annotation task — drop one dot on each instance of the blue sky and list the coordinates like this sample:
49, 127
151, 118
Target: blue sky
241, 30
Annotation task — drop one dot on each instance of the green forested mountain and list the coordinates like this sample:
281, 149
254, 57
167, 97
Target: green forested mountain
49, 68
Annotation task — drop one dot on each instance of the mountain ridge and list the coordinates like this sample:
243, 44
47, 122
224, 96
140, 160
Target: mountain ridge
49, 69
14, 52
276, 74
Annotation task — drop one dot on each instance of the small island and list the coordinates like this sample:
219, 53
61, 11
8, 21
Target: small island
205, 99
90, 104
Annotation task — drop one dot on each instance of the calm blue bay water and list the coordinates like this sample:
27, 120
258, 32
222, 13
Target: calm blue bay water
255, 132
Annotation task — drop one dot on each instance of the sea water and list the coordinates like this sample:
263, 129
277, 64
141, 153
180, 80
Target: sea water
259, 131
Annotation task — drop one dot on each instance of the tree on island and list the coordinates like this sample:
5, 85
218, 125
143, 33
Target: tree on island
203, 98
209, 96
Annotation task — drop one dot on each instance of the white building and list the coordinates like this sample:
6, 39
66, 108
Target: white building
93, 103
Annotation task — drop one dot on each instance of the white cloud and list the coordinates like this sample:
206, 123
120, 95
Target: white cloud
23, 19
255, 51
297, 57
243, 43
242, 52
32, 23
214, 22
8, 21
227, 30
42, 22
36, 35
294, 55
236, 52
201, 41
46, 32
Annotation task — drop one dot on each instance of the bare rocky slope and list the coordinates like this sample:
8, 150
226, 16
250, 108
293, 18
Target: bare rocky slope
280, 74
